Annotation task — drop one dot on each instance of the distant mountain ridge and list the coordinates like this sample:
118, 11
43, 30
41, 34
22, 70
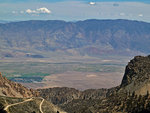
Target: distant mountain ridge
92, 37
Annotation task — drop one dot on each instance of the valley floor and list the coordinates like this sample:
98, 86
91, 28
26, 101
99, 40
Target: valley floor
83, 80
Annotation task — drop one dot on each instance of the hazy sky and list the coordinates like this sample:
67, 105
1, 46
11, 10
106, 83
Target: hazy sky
73, 10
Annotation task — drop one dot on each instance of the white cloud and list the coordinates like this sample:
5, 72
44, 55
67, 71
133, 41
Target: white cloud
72, 10
38, 11
140, 15
43, 10
29, 11
92, 3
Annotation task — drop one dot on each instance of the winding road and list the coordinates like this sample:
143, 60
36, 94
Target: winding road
41, 106
6, 108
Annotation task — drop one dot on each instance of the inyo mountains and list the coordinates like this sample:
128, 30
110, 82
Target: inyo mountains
90, 37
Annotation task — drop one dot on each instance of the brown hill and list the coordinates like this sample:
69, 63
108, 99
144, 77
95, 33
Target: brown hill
13, 89
15, 98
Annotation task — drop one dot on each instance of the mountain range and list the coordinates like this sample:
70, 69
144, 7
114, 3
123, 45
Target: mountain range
37, 38
44, 39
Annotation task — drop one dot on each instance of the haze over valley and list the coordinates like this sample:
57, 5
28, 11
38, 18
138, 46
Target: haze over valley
33, 50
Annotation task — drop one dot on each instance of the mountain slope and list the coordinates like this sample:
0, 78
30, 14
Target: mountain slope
65, 95
27, 105
132, 96
15, 98
12, 89
137, 76
92, 37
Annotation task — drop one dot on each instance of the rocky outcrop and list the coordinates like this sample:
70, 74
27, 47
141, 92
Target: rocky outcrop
137, 76
13, 89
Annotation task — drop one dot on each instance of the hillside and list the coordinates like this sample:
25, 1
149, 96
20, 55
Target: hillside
15, 98
65, 95
137, 76
27, 105
13, 89
90, 37
132, 96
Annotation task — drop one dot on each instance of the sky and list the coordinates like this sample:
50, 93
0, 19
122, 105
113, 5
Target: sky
74, 10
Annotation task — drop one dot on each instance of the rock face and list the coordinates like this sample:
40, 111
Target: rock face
12, 89
137, 75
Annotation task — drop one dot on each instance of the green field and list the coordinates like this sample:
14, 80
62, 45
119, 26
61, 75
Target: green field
25, 71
